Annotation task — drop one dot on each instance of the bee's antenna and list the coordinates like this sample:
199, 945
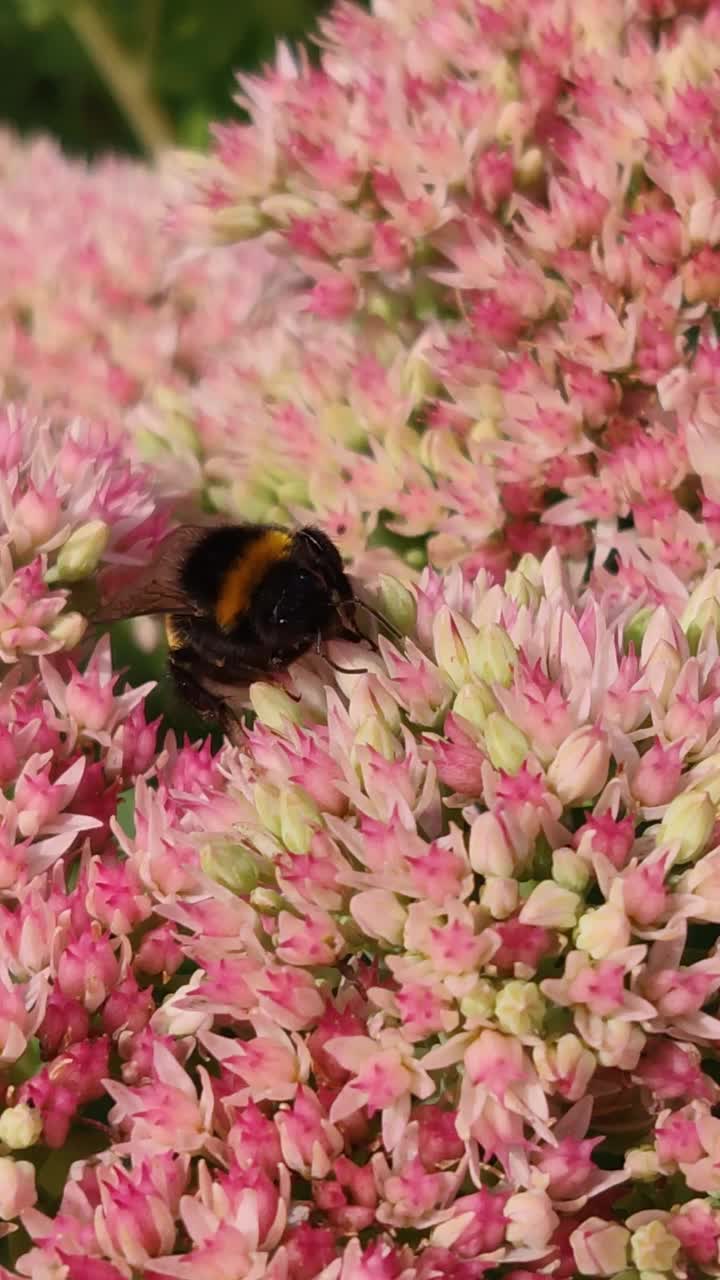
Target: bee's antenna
379, 617
346, 671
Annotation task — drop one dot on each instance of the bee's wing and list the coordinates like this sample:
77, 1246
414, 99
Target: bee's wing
156, 589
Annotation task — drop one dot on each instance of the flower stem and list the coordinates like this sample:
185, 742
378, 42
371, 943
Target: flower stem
125, 77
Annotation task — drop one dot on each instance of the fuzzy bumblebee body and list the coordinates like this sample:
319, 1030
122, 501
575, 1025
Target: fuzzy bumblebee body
240, 602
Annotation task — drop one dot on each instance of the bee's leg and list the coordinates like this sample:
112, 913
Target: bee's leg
206, 704
349, 630
346, 671
348, 633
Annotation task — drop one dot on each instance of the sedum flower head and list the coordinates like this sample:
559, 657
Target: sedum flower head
502, 339
72, 507
309, 948
389, 985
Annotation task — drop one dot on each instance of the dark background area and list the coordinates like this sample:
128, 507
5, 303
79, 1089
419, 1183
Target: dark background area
177, 58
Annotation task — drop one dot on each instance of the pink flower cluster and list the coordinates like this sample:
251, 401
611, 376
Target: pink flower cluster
374, 993
508, 221
72, 509
419, 977
107, 312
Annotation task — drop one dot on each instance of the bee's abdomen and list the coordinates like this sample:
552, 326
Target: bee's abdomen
246, 573
224, 569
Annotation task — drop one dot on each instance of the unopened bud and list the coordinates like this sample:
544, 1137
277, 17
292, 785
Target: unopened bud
340, 423
642, 1164
530, 166
450, 633
708, 615
600, 1247
706, 591
570, 870
484, 429
267, 802
17, 1187
491, 853
551, 907
653, 1247
374, 732
506, 745
499, 896
370, 701
81, 554
475, 702
273, 706
522, 589
503, 78
172, 430
20, 1126
493, 656
380, 915
602, 930
299, 819
580, 768
284, 207
479, 1003
230, 865
396, 603
689, 820
439, 453
418, 383
520, 1008
240, 221
68, 629
268, 902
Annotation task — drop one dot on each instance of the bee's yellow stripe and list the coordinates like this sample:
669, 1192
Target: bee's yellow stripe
175, 637
249, 569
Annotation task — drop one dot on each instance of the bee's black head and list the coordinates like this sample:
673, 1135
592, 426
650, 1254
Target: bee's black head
298, 598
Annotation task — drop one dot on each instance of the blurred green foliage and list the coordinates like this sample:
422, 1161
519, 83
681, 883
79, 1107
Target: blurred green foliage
59, 58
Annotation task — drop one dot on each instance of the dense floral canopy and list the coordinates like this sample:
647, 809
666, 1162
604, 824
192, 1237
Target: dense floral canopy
417, 977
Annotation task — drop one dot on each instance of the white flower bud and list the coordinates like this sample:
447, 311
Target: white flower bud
506, 745
273, 706
68, 629
81, 554
602, 930
299, 819
520, 1008
570, 870
499, 896
689, 820
396, 603
653, 1247
20, 1126
551, 907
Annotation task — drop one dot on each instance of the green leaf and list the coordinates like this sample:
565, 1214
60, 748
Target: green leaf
82, 1142
194, 126
28, 1065
692, 338
14, 1246
37, 12
188, 51
126, 812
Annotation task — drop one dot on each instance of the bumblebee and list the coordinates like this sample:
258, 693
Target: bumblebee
241, 603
